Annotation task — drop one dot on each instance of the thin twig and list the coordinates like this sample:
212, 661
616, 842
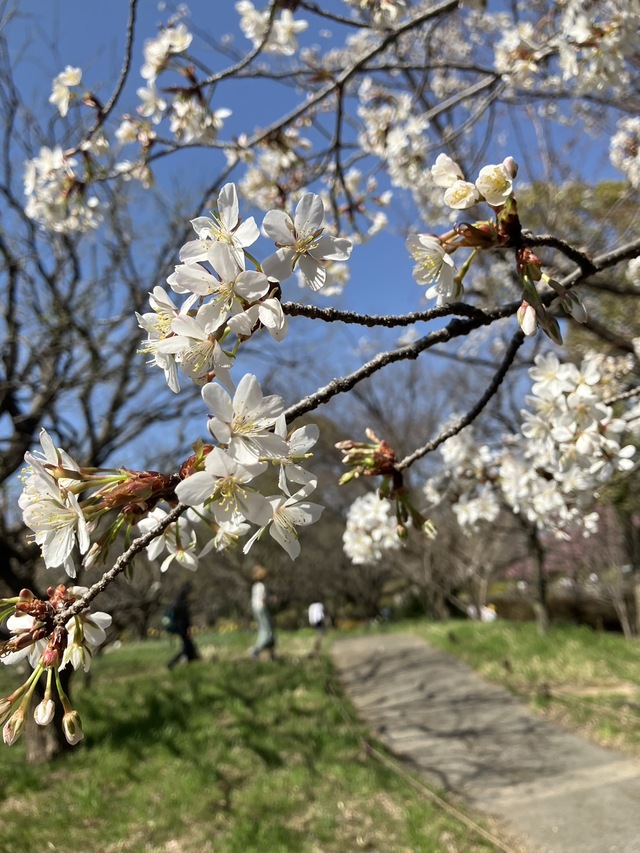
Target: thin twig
103, 112
349, 72
246, 60
625, 395
472, 414
123, 561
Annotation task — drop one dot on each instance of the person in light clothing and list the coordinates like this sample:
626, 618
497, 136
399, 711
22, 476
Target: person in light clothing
266, 639
317, 620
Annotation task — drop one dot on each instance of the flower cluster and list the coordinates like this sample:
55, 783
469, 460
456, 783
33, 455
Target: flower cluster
383, 13
625, 149
223, 483
57, 197
433, 255
371, 529
40, 634
590, 50
434, 264
571, 444
67, 506
226, 303
278, 36
494, 183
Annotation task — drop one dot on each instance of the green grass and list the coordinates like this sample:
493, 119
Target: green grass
585, 680
220, 755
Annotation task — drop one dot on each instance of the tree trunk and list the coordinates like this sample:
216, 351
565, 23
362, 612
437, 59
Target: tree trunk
541, 603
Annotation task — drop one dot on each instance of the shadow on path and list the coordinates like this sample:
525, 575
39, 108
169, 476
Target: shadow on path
552, 789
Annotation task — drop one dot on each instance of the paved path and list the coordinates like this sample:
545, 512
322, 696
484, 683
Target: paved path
554, 791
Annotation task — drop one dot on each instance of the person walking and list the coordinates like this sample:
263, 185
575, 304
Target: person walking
317, 620
181, 625
266, 639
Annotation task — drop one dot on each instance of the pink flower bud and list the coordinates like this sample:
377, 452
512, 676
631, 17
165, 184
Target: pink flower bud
72, 727
44, 712
50, 656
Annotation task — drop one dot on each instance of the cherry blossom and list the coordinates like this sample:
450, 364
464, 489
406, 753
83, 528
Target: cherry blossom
434, 266
301, 242
287, 514
61, 94
224, 227
244, 423
371, 529
224, 482
195, 345
495, 184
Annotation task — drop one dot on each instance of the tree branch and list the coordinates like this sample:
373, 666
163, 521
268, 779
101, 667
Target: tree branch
472, 414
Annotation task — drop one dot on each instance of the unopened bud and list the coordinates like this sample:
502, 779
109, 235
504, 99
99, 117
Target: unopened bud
511, 167
50, 656
5, 709
401, 532
44, 712
13, 728
72, 727
527, 319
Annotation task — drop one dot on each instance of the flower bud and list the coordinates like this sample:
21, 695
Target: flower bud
402, 532
72, 727
5, 709
13, 728
44, 712
527, 319
510, 166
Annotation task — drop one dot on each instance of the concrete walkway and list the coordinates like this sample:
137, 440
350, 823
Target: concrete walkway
553, 791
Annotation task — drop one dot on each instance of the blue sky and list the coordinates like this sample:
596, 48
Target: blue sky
91, 35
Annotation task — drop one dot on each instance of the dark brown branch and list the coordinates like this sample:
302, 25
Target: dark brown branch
455, 329
390, 321
583, 261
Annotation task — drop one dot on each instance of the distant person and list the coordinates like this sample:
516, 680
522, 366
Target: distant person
266, 639
180, 624
488, 613
318, 621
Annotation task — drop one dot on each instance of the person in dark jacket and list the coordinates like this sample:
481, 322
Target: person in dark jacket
181, 618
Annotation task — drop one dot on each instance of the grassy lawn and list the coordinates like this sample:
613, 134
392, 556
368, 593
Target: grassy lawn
584, 680
220, 755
